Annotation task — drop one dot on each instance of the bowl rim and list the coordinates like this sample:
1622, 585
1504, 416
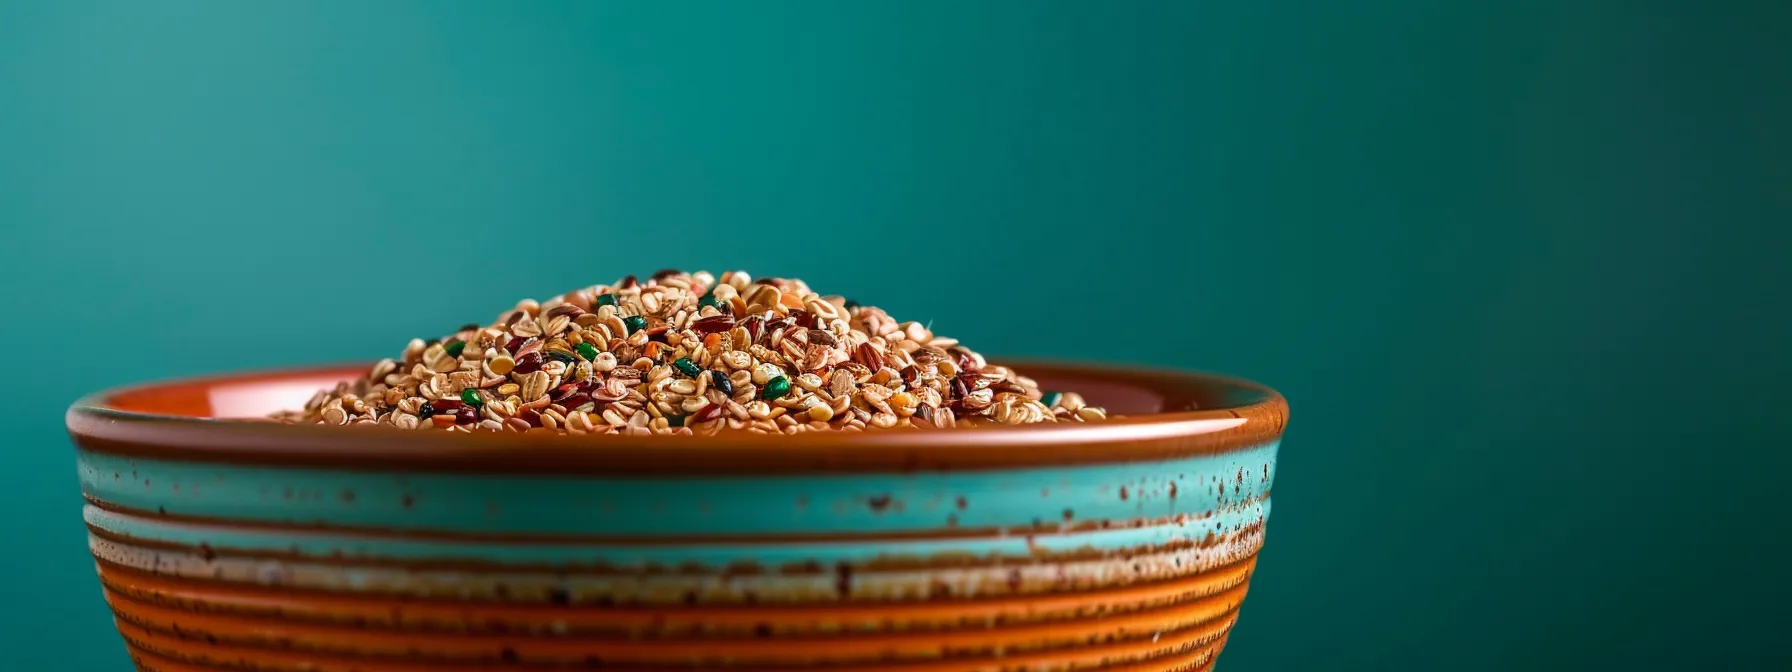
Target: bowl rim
96, 426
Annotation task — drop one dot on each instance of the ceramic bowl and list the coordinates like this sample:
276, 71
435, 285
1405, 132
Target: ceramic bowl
1124, 545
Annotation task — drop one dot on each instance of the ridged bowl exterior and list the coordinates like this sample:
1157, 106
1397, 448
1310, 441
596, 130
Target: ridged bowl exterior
289, 561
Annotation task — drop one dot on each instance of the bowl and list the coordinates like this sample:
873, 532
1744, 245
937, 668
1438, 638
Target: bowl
223, 542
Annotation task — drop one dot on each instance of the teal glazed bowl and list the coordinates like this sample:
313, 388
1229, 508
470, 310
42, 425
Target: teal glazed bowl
226, 543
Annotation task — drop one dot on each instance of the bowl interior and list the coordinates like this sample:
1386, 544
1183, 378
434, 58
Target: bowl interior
255, 396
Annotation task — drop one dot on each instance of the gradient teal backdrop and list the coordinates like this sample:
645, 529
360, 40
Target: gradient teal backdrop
1520, 266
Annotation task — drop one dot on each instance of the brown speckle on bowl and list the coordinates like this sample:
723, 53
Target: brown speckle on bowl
843, 580
879, 502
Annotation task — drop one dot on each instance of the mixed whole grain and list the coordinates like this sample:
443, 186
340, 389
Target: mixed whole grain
684, 353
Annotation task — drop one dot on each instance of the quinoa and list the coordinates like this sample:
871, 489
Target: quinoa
684, 353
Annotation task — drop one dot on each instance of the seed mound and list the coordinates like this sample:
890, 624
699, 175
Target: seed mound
686, 353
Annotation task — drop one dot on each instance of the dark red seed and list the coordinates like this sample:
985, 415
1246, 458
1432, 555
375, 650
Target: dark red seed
529, 363
910, 374
662, 274
575, 400
707, 413
713, 324
516, 344
562, 391
803, 318
628, 283
448, 405
466, 416
959, 389
755, 325
531, 416
821, 337
965, 361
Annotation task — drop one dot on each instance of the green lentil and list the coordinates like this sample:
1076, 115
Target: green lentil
777, 387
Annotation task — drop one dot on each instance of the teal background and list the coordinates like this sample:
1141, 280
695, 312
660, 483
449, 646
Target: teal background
1520, 266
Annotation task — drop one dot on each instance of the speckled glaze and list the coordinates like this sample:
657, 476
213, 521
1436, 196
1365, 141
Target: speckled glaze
233, 544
